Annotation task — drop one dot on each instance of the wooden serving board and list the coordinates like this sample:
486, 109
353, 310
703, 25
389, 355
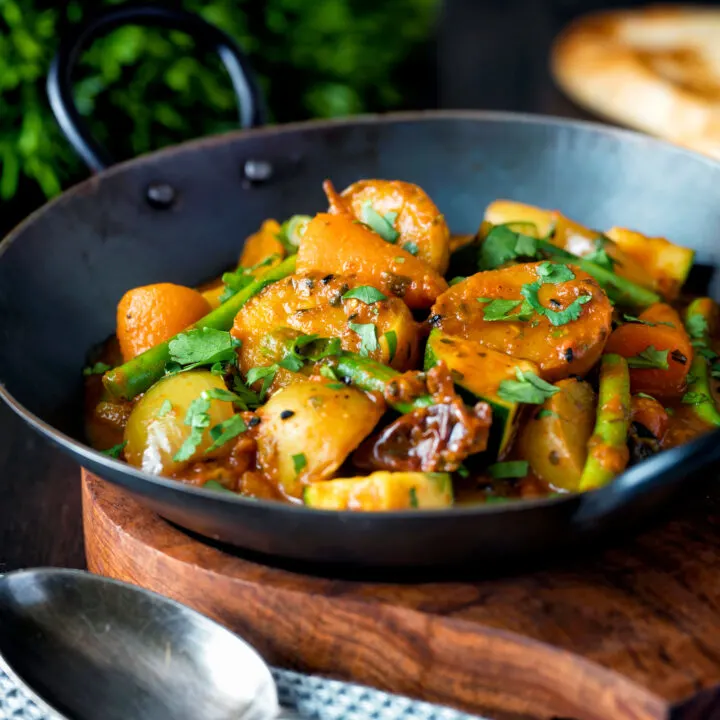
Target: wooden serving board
632, 633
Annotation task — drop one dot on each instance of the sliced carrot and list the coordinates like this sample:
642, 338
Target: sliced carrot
340, 244
663, 331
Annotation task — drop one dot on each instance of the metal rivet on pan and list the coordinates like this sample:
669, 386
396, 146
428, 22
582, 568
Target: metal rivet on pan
257, 170
160, 195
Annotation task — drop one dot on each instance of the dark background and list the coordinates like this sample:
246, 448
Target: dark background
475, 55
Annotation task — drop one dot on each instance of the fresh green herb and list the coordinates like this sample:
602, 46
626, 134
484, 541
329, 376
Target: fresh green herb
299, 462
503, 245
528, 388
502, 309
247, 399
462, 471
222, 394
327, 372
383, 226
241, 277
511, 469
226, 431
599, 256
691, 378
707, 353
215, 485
366, 294
266, 374
637, 320
413, 498
411, 247
645, 395
165, 408
116, 450
650, 358
336, 386
198, 418
292, 362
457, 280
201, 346
553, 273
545, 413
99, 368
308, 348
391, 339
368, 337
695, 398
697, 327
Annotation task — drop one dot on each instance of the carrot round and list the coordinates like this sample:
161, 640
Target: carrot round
660, 330
560, 350
340, 244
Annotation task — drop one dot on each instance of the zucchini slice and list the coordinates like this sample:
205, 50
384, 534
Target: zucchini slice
478, 372
382, 490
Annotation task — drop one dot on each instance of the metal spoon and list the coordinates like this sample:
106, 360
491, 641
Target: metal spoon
90, 647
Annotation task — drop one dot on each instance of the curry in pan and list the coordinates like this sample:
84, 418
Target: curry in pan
366, 359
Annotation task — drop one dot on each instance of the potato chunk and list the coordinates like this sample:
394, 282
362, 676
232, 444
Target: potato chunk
307, 429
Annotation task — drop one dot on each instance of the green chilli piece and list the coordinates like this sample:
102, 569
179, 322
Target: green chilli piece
612, 422
477, 372
372, 376
142, 372
700, 320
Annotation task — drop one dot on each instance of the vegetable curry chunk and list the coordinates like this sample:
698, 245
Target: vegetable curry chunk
365, 359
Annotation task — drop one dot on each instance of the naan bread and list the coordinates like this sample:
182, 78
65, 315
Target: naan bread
656, 69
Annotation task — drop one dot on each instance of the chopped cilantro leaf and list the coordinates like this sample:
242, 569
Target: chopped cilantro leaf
164, 409
462, 471
501, 310
366, 294
198, 418
242, 277
247, 399
226, 431
202, 346
503, 245
215, 485
695, 398
511, 469
368, 337
299, 462
457, 280
413, 498
599, 256
266, 374
637, 320
697, 327
376, 222
650, 358
411, 247
99, 368
528, 388
391, 339
116, 450
336, 386
554, 273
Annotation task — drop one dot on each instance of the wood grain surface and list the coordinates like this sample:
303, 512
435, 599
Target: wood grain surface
631, 633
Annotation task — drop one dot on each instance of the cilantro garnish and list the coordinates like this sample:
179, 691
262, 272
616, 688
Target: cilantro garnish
413, 498
383, 226
457, 280
528, 388
391, 339
116, 450
164, 409
368, 337
411, 247
637, 320
201, 346
695, 398
462, 471
336, 386
215, 485
308, 348
366, 294
198, 418
226, 431
599, 256
697, 327
266, 374
553, 273
241, 277
650, 358
511, 469
545, 413
502, 309
299, 462
99, 368
503, 245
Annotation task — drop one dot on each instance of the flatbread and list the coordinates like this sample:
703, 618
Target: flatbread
655, 69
